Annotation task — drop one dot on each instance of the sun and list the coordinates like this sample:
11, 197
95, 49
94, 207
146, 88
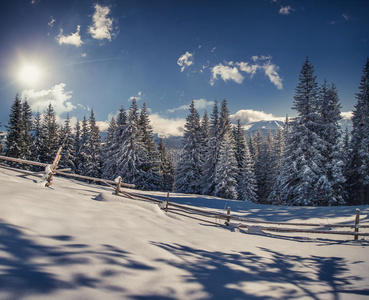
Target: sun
30, 74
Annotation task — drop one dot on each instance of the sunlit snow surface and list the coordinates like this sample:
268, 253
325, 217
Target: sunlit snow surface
78, 241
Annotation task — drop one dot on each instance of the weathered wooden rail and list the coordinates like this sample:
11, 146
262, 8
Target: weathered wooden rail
191, 212
201, 214
54, 171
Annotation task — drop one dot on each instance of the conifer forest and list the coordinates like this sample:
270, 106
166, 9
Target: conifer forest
309, 162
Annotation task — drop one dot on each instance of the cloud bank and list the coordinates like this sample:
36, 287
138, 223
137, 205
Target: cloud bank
57, 96
163, 125
248, 116
346, 115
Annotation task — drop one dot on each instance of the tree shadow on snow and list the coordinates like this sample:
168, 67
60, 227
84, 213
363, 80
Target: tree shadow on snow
235, 275
29, 268
279, 213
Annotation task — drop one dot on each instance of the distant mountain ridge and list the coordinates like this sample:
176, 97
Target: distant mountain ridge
175, 142
264, 126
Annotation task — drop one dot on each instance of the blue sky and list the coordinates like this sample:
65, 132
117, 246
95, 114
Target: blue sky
80, 55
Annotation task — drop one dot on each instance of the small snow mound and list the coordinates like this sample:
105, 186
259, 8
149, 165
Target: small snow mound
106, 198
153, 207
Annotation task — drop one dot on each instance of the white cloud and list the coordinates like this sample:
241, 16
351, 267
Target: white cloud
346, 115
84, 54
286, 10
249, 69
261, 63
226, 73
103, 126
61, 121
58, 98
102, 25
199, 104
261, 57
185, 61
163, 125
214, 48
51, 23
73, 39
137, 97
271, 72
248, 116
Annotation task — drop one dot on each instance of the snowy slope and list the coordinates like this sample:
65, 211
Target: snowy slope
78, 241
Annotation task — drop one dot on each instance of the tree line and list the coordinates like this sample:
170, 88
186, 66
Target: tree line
129, 149
308, 162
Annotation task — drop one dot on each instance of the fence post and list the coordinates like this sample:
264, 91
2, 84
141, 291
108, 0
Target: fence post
228, 216
55, 166
357, 220
167, 203
118, 186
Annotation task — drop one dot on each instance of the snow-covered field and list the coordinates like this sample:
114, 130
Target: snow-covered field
78, 241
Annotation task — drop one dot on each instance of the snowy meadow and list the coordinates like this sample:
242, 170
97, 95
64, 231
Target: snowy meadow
79, 241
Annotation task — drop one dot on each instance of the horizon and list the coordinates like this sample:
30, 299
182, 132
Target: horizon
100, 55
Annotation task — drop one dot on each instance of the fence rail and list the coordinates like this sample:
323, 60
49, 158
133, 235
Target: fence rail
201, 214
191, 212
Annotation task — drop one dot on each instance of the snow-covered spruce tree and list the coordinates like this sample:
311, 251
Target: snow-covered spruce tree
345, 145
226, 168
120, 136
189, 173
205, 126
36, 138
303, 164
270, 166
77, 147
278, 148
211, 154
166, 168
258, 155
66, 140
15, 128
358, 166
92, 166
84, 148
206, 151
27, 119
333, 180
49, 136
108, 168
246, 182
132, 155
151, 166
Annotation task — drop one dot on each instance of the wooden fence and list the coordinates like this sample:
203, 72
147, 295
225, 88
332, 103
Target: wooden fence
192, 212
53, 168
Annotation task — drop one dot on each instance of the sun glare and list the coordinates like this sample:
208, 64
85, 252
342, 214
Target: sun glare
30, 74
